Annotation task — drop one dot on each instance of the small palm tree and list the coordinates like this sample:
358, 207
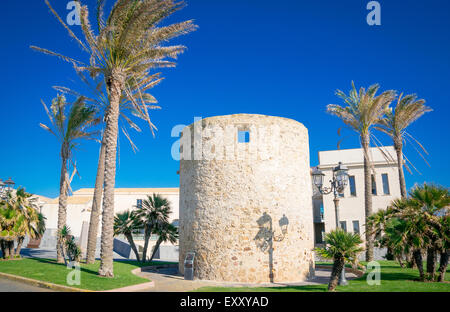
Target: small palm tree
19, 217
69, 124
11, 222
341, 247
363, 110
394, 124
127, 47
429, 203
166, 233
34, 222
155, 210
126, 223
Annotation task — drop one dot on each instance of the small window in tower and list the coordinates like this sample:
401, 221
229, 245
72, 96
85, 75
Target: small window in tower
243, 136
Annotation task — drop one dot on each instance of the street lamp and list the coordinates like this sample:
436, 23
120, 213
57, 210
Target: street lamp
338, 184
2, 186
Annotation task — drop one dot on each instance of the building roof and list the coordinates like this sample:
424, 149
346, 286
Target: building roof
73, 200
149, 191
355, 156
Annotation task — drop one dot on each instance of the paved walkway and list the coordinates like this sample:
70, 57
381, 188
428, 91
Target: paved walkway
168, 280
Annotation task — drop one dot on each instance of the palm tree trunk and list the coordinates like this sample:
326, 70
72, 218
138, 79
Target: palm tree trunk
431, 263
417, 254
133, 246
19, 245
96, 205
63, 190
10, 248
401, 175
367, 197
409, 260
2, 246
338, 265
400, 261
5, 249
147, 234
443, 265
115, 84
158, 243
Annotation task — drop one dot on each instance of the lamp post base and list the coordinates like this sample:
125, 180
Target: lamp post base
342, 279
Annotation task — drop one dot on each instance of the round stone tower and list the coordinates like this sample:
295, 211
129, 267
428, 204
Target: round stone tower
246, 199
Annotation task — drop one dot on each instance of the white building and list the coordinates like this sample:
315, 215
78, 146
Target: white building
385, 188
80, 203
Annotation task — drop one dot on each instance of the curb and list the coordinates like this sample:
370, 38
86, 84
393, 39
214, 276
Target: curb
42, 284
133, 288
57, 287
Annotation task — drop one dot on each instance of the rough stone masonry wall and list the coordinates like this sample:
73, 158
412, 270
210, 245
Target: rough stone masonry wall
229, 208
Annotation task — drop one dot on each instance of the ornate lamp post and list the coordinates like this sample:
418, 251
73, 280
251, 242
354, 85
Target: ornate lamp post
9, 184
338, 184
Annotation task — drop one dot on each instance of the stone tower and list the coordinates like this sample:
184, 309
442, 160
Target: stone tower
246, 199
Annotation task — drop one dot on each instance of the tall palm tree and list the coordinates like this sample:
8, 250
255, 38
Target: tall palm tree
362, 112
126, 109
166, 233
69, 123
127, 47
341, 247
127, 224
394, 124
155, 210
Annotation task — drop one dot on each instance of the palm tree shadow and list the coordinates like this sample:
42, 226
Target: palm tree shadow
52, 261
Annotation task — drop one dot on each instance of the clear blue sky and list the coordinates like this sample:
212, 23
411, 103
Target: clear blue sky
282, 58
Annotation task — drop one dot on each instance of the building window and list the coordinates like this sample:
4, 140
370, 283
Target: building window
139, 203
385, 184
374, 185
243, 136
351, 180
343, 225
356, 227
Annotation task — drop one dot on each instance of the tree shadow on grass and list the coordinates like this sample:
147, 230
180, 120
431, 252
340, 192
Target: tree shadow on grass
53, 261
315, 288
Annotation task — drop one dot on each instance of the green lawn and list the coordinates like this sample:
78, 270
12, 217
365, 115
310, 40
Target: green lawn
49, 271
393, 279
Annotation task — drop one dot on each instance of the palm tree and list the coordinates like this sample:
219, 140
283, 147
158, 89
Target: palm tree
155, 210
101, 100
125, 50
394, 124
69, 126
341, 247
11, 222
166, 233
444, 249
127, 224
363, 110
19, 217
